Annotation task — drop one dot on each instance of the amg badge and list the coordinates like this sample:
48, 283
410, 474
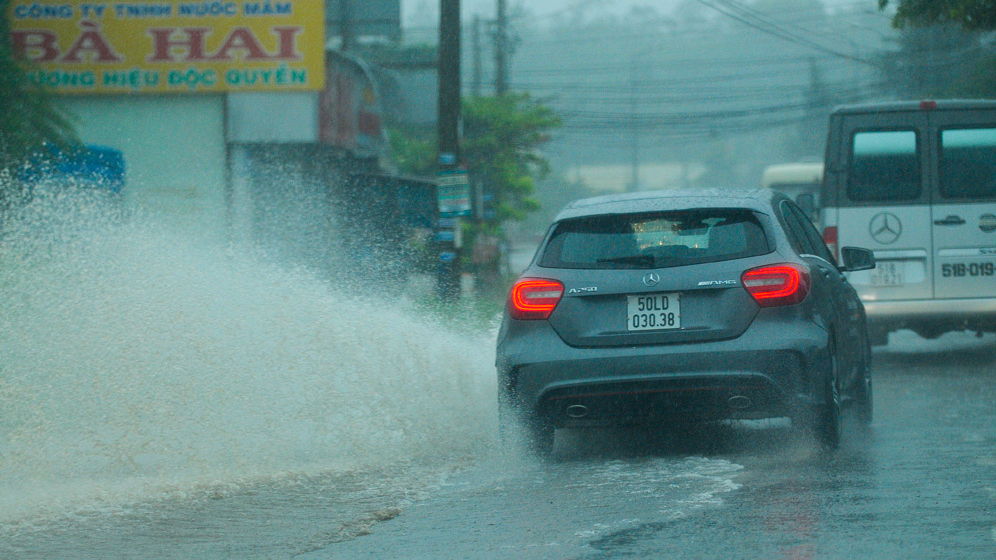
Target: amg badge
718, 283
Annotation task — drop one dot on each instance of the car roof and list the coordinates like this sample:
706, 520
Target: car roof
907, 106
760, 200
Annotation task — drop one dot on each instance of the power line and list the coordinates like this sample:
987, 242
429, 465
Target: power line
742, 14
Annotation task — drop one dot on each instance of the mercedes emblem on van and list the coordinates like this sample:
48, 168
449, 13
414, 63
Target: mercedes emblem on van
885, 228
651, 279
987, 223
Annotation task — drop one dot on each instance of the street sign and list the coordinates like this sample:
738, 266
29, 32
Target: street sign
453, 190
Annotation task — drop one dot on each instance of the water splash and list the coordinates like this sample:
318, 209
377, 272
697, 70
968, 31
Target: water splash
136, 358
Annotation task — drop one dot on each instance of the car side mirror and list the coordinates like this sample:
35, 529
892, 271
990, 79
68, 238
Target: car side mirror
856, 258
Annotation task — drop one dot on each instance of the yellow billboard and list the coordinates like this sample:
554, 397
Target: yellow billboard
171, 46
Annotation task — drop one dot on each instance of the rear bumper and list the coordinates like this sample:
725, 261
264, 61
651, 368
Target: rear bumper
695, 397
939, 314
767, 373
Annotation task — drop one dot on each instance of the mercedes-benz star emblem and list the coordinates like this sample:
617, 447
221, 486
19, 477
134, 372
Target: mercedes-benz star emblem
651, 279
885, 228
987, 223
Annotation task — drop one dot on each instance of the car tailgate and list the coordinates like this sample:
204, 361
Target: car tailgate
684, 304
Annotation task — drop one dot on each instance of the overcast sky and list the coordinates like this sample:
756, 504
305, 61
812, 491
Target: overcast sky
425, 13
418, 12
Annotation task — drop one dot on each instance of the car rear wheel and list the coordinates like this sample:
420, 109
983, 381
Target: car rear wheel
863, 393
828, 417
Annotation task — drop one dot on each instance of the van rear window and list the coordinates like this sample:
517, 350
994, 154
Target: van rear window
655, 240
885, 167
968, 163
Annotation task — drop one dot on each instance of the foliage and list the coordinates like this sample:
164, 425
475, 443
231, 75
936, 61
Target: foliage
499, 146
980, 81
501, 138
970, 14
31, 116
931, 61
412, 152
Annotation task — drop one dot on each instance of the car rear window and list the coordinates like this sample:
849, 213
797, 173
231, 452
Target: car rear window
968, 163
654, 240
885, 167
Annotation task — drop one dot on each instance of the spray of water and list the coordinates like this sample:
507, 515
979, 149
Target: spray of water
137, 359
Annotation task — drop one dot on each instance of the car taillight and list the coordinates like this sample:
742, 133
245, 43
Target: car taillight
534, 298
780, 284
830, 238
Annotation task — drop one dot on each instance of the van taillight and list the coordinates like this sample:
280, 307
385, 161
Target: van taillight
928, 105
780, 284
830, 238
534, 298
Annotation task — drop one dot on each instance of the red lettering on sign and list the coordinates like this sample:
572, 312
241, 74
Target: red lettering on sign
287, 44
35, 45
189, 44
191, 39
241, 39
91, 41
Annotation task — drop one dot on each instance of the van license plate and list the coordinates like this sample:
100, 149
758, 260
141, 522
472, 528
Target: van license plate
888, 273
653, 312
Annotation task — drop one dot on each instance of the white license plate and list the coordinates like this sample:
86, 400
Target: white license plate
888, 273
652, 312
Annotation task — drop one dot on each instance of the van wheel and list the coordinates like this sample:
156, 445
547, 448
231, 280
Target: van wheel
878, 337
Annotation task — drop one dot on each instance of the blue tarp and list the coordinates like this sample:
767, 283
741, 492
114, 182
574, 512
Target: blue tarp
92, 165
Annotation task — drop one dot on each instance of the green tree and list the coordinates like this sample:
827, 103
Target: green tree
971, 14
29, 114
501, 138
931, 61
500, 147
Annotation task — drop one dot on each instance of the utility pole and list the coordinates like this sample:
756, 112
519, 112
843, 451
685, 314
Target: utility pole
448, 238
501, 50
476, 38
346, 27
634, 183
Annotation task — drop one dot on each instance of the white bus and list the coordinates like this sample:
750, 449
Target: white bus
799, 181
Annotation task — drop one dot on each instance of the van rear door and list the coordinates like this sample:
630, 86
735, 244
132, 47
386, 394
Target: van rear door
964, 209
883, 202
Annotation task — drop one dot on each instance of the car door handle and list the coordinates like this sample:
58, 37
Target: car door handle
950, 221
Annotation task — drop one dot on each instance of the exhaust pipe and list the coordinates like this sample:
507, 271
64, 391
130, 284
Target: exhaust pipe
577, 411
738, 402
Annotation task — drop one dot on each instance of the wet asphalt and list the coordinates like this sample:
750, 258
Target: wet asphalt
919, 483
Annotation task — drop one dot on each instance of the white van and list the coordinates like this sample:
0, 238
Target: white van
799, 181
916, 183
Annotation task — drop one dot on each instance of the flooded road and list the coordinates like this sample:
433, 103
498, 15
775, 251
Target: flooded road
167, 397
920, 484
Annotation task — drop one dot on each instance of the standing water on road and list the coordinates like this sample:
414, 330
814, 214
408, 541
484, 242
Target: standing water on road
140, 361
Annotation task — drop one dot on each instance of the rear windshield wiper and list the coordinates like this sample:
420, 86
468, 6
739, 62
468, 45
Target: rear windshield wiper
638, 260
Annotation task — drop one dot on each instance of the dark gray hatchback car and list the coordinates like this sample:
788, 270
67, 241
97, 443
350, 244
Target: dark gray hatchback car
658, 307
